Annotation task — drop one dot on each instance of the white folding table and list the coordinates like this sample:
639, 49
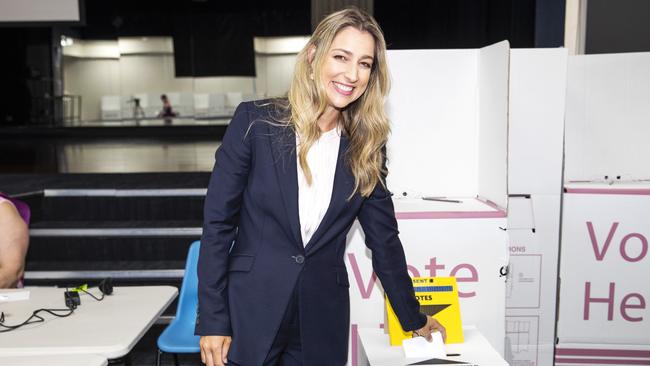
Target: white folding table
54, 360
108, 328
375, 350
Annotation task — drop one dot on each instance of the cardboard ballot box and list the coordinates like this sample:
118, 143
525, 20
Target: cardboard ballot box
438, 298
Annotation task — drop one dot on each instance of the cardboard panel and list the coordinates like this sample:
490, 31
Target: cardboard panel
536, 121
604, 269
521, 214
532, 280
607, 116
432, 107
493, 122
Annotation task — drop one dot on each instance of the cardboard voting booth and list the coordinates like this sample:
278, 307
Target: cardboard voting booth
604, 294
449, 114
535, 142
454, 138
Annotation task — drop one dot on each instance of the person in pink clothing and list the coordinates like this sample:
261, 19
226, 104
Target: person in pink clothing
14, 240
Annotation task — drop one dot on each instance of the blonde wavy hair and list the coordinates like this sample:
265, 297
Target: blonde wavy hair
364, 121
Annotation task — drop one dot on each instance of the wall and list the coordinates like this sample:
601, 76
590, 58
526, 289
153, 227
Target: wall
620, 26
276, 71
150, 74
91, 78
153, 73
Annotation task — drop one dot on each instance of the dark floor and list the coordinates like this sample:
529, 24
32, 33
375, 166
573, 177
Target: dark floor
108, 155
152, 121
109, 149
145, 351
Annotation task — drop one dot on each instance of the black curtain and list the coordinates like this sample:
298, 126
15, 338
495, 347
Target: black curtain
211, 37
411, 24
214, 44
26, 75
214, 38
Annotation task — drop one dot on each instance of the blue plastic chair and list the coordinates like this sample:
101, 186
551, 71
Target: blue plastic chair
179, 336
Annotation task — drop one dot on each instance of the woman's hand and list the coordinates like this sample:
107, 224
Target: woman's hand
214, 350
431, 326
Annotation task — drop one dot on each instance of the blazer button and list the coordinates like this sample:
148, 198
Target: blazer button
298, 258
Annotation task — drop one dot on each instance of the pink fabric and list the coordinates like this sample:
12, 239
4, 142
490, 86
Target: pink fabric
25, 214
22, 207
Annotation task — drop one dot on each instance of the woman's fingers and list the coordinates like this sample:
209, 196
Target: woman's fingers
444, 332
435, 325
208, 359
431, 326
214, 350
224, 350
428, 337
207, 352
216, 356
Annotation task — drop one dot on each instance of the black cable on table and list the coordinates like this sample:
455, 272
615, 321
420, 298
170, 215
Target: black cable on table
39, 319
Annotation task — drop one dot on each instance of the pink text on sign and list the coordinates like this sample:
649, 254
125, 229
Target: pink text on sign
464, 273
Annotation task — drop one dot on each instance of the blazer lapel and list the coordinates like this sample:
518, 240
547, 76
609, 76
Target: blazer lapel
343, 184
283, 146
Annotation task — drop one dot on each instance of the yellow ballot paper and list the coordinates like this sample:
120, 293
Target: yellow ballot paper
438, 297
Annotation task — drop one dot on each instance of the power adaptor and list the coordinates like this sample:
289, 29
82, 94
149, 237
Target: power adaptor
72, 299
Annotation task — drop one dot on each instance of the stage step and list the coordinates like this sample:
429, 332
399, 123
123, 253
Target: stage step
134, 228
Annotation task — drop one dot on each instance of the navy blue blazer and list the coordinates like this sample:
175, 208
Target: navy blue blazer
252, 255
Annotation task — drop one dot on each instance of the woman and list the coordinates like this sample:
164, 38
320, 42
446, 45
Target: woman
290, 178
167, 110
14, 240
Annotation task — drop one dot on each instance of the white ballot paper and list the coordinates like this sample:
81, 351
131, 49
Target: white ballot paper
14, 295
419, 347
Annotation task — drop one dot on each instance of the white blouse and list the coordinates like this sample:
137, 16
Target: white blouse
314, 200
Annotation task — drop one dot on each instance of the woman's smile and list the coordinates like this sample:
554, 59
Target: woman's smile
343, 89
